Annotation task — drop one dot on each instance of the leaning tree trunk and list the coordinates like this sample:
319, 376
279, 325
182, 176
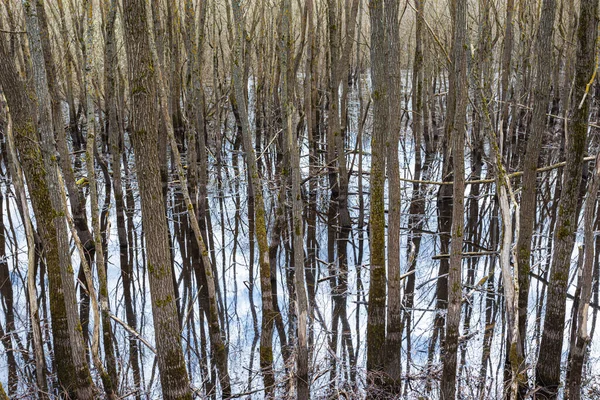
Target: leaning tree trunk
78, 375
268, 312
218, 347
505, 197
76, 195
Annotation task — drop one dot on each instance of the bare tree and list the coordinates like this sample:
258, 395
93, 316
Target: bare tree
271, 140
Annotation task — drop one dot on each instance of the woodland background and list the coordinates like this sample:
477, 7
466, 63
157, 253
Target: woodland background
319, 198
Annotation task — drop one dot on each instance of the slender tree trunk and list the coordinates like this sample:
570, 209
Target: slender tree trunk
76, 196
578, 349
76, 377
334, 166
507, 51
416, 222
302, 379
115, 145
268, 313
6, 291
109, 376
312, 244
39, 357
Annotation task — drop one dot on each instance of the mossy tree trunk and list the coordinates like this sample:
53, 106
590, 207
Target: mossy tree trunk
549, 361
393, 362
456, 129
16, 173
268, 312
116, 148
144, 136
537, 129
61, 278
377, 284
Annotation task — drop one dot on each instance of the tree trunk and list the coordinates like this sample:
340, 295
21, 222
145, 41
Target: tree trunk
537, 129
456, 129
393, 362
302, 379
549, 360
377, 284
268, 313
109, 376
144, 128
577, 351
76, 376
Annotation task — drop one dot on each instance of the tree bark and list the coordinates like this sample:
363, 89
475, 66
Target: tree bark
377, 284
584, 282
302, 378
456, 129
144, 136
537, 130
393, 362
268, 313
109, 376
549, 360
76, 377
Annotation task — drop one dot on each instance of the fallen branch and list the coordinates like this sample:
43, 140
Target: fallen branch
467, 254
133, 332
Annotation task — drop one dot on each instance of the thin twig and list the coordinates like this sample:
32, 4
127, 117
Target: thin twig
479, 181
